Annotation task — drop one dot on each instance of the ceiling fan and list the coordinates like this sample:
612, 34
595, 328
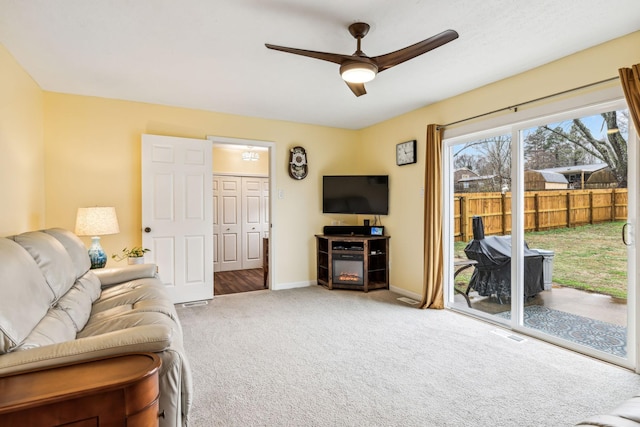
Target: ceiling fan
357, 69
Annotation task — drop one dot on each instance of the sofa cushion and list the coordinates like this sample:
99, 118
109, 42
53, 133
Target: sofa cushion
138, 295
52, 258
55, 327
126, 320
25, 296
77, 302
90, 284
130, 293
75, 248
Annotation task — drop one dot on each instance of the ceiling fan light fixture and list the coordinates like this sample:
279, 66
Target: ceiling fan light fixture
358, 68
358, 72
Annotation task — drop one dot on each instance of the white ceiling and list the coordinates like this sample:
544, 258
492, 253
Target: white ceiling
210, 54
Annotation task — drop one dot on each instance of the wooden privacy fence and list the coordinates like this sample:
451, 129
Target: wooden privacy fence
543, 210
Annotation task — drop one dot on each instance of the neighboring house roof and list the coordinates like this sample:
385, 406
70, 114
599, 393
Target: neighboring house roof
576, 169
477, 178
553, 176
465, 170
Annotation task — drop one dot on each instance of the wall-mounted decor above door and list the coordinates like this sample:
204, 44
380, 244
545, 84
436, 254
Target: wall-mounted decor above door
298, 163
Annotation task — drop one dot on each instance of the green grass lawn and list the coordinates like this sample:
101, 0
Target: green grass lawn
590, 257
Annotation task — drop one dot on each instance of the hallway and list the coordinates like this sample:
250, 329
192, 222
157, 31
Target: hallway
236, 281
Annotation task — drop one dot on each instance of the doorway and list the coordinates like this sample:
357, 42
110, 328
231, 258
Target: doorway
540, 218
241, 190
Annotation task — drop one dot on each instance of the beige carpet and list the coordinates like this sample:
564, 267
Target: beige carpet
314, 357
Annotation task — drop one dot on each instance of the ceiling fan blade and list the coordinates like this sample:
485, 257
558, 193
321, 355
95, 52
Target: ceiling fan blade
399, 56
331, 57
357, 88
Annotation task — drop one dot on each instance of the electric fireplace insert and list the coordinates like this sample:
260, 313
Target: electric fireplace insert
348, 269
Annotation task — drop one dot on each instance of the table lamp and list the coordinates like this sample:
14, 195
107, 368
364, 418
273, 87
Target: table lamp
96, 222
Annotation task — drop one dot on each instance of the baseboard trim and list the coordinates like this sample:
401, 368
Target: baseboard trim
405, 293
305, 284
292, 285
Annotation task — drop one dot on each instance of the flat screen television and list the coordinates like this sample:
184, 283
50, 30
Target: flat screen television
355, 194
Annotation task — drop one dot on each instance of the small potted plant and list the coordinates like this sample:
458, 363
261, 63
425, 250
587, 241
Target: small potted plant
135, 255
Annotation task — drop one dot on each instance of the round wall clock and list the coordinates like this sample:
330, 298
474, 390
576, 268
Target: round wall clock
406, 153
297, 163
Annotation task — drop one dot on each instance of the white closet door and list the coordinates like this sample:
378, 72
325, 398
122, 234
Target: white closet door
216, 224
252, 208
265, 207
230, 217
240, 221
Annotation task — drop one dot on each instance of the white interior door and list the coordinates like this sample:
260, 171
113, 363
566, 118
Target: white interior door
240, 221
177, 214
265, 207
230, 226
252, 207
216, 224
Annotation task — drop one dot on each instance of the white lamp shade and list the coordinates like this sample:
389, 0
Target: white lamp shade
96, 221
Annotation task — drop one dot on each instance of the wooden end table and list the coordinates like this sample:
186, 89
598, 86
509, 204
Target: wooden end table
113, 391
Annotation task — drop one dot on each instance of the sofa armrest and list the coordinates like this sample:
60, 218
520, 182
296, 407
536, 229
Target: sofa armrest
116, 275
146, 339
608, 421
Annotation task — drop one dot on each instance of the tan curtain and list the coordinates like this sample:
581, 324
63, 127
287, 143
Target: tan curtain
630, 80
433, 259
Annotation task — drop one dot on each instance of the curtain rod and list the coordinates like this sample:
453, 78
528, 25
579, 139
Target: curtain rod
515, 107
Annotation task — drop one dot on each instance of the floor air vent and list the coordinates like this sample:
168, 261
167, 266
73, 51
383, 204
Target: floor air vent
194, 304
507, 334
408, 300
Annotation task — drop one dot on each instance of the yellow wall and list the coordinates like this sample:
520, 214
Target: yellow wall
404, 223
93, 158
21, 149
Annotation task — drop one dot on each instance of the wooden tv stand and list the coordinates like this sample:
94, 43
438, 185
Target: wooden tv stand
112, 391
373, 251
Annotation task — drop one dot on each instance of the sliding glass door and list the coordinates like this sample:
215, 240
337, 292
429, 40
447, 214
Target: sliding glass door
576, 185
541, 216
481, 223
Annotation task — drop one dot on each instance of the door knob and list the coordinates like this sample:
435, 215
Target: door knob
147, 229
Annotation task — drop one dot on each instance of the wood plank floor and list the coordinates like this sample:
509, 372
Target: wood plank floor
232, 282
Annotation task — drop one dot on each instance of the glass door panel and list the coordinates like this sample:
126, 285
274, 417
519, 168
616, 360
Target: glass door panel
481, 225
575, 194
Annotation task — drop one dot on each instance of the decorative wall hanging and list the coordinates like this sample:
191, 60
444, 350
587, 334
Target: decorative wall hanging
298, 163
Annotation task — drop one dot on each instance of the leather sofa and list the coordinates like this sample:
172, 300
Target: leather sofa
55, 310
627, 414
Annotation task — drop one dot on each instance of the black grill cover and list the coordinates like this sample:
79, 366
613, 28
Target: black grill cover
492, 275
